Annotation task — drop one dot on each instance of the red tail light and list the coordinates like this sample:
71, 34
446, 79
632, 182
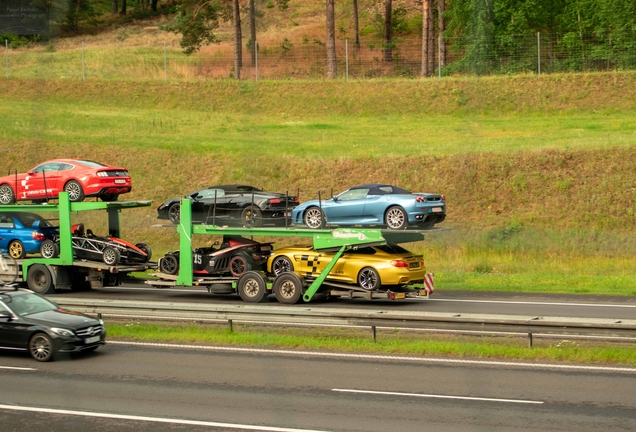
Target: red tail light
399, 263
274, 201
444, 197
38, 236
295, 199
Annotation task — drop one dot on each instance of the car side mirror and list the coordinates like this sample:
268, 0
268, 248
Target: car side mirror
5, 315
334, 198
30, 172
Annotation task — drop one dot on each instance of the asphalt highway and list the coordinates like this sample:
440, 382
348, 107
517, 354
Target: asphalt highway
127, 387
620, 308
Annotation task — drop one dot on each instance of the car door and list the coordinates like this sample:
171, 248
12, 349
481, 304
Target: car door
347, 208
209, 204
13, 331
42, 181
7, 226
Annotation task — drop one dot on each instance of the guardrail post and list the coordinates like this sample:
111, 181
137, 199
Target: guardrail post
373, 332
529, 340
230, 325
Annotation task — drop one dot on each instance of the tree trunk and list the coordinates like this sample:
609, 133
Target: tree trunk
153, 5
427, 45
388, 30
253, 31
238, 40
115, 7
356, 29
330, 43
432, 45
441, 26
123, 8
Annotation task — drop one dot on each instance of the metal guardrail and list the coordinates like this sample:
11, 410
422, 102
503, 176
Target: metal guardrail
264, 314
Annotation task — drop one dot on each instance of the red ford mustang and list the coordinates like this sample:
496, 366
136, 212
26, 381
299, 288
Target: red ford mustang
80, 178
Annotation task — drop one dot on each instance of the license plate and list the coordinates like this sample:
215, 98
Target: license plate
120, 181
399, 296
437, 210
414, 265
92, 339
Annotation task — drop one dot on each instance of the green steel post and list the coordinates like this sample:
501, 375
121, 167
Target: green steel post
66, 243
316, 284
185, 244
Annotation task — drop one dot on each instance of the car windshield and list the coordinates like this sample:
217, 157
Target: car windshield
393, 249
27, 304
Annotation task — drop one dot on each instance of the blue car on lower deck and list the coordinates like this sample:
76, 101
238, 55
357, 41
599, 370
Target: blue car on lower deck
22, 233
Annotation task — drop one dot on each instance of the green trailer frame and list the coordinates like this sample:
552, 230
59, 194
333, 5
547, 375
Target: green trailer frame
64, 208
342, 238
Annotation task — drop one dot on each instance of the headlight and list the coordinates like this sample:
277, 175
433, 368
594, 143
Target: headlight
62, 332
101, 321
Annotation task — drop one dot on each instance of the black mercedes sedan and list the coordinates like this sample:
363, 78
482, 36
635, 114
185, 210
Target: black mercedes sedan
29, 322
240, 205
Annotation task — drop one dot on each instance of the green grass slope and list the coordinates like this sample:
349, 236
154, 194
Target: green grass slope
538, 172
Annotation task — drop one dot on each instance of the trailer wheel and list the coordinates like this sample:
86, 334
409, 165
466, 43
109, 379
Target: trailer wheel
252, 287
111, 256
288, 288
39, 279
169, 264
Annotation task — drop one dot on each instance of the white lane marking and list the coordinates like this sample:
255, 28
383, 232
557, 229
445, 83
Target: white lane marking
437, 396
376, 357
533, 303
153, 419
17, 368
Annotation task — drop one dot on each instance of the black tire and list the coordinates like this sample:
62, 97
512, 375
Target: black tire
109, 197
111, 256
288, 288
6, 194
174, 213
75, 191
252, 216
144, 247
282, 264
41, 347
238, 265
39, 279
369, 279
314, 218
169, 264
16, 249
9, 270
49, 249
252, 287
396, 218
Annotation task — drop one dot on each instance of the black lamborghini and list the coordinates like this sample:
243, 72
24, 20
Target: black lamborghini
239, 205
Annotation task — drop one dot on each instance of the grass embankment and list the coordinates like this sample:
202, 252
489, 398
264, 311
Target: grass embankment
538, 172
388, 342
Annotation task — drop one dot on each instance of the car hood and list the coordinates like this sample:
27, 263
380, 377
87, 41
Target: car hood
62, 318
170, 201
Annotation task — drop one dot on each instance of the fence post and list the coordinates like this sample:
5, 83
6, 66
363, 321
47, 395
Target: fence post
439, 57
6, 50
539, 52
165, 64
347, 59
83, 66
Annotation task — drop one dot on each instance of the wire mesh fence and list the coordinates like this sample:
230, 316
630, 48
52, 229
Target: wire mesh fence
533, 53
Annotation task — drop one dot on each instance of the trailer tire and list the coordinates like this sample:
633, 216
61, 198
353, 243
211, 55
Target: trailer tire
288, 288
40, 280
252, 287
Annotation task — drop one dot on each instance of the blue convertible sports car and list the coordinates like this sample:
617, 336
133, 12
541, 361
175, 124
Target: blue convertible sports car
373, 204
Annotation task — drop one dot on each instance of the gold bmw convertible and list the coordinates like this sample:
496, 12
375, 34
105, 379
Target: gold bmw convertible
370, 266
